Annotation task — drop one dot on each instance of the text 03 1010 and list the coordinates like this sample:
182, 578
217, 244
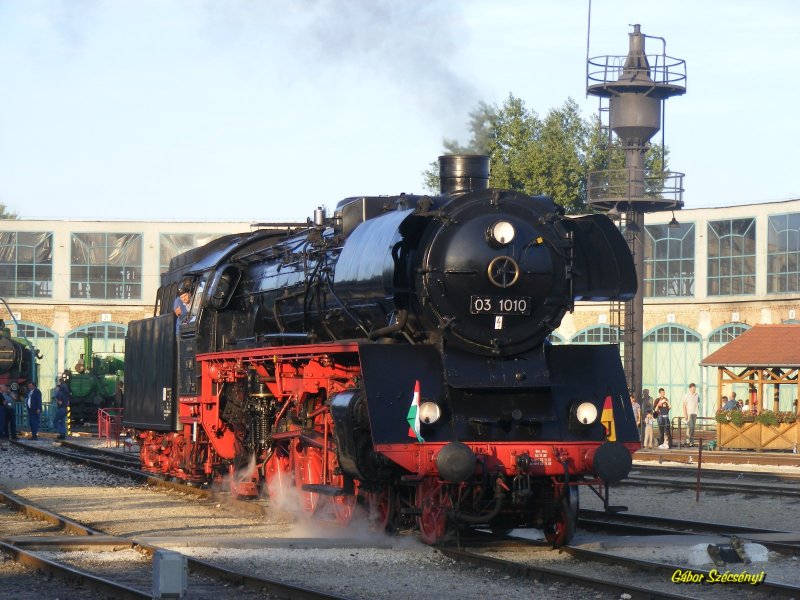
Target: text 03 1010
500, 305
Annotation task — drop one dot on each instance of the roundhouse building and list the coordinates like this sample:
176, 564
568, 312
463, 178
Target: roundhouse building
64, 280
708, 277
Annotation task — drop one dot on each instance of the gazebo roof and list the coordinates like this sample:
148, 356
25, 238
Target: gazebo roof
760, 346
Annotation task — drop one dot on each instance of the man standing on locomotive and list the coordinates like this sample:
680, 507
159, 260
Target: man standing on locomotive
33, 401
181, 307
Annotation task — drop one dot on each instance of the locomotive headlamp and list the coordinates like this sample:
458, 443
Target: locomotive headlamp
585, 413
429, 412
501, 233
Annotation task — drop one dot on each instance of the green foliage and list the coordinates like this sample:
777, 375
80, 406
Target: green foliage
765, 417
482, 126
738, 417
551, 155
5, 213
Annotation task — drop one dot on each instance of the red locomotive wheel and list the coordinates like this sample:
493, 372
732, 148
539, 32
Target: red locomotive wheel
278, 476
344, 507
308, 470
434, 502
561, 532
380, 509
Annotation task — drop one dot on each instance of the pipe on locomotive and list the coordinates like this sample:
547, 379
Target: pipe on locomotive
462, 173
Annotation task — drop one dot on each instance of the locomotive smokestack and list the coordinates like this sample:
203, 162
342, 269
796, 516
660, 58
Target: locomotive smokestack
462, 173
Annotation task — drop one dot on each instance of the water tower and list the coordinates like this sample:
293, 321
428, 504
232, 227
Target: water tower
632, 91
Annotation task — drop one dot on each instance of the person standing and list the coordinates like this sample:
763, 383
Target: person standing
637, 411
662, 409
648, 431
691, 405
646, 406
33, 402
62, 403
8, 401
7, 404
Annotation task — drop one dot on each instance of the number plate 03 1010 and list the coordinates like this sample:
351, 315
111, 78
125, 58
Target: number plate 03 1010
500, 305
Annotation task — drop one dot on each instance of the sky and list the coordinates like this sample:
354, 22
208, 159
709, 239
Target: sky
262, 110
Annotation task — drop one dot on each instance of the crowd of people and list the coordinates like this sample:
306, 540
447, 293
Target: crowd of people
31, 397
656, 412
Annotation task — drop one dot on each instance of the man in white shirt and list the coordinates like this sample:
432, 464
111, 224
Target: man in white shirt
691, 404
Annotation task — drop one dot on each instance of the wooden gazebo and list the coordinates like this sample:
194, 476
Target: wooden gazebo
761, 356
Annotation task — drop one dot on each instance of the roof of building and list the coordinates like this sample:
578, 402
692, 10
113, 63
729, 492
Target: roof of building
760, 346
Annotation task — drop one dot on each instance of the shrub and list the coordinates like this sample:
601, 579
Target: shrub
738, 417
767, 417
722, 416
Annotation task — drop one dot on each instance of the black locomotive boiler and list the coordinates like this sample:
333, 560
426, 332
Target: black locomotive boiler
394, 358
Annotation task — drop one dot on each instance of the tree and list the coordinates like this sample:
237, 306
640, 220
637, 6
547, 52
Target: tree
549, 156
482, 125
7, 214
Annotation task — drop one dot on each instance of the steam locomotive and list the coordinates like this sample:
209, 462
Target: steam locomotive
18, 359
95, 382
393, 360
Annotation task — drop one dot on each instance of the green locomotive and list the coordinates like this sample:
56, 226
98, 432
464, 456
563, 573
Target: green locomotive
96, 382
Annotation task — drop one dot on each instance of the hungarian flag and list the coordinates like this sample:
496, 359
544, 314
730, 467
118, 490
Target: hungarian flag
607, 418
413, 415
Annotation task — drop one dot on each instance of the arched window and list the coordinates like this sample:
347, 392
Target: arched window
107, 338
556, 338
598, 334
46, 342
726, 333
670, 359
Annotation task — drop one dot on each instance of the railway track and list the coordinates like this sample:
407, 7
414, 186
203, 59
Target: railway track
661, 586
706, 472
126, 467
625, 577
646, 525
689, 482
61, 550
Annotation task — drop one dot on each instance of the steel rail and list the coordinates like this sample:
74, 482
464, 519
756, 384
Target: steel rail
246, 506
782, 590
675, 524
274, 587
690, 469
115, 590
548, 574
730, 487
633, 524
